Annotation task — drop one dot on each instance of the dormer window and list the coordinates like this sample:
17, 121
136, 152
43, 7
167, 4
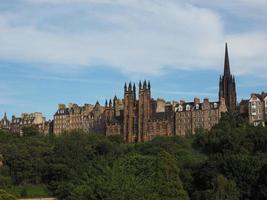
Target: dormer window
197, 106
180, 108
215, 105
187, 107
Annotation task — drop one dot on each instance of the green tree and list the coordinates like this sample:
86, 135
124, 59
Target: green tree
6, 196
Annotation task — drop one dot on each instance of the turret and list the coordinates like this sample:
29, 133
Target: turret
125, 87
134, 92
144, 86
106, 103
110, 103
130, 87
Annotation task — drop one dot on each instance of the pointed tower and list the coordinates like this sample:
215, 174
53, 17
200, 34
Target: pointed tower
144, 111
128, 114
227, 88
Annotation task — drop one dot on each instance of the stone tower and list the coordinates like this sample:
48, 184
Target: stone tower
129, 113
144, 110
227, 87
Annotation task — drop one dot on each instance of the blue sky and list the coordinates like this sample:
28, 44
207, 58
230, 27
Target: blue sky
81, 51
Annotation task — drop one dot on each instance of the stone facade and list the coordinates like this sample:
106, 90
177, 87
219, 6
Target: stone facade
74, 117
142, 122
29, 120
138, 117
5, 123
257, 109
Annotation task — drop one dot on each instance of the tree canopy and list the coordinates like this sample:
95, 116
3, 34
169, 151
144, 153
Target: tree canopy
227, 163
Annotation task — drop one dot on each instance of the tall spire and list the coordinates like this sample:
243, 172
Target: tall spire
227, 72
227, 87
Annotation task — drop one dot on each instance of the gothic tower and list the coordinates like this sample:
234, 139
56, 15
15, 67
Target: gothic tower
144, 110
227, 87
129, 113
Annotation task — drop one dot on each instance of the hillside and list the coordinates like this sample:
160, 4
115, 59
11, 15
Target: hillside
229, 162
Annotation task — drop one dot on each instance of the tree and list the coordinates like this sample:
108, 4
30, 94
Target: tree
6, 196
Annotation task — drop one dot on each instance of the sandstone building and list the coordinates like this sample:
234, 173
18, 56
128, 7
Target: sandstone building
257, 109
5, 123
87, 118
25, 120
138, 117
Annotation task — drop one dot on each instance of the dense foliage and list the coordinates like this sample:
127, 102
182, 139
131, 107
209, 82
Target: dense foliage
227, 163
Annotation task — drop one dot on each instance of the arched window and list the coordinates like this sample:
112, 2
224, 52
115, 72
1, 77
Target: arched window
215, 105
197, 106
180, 108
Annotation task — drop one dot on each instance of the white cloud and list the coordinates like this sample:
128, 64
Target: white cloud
139, 37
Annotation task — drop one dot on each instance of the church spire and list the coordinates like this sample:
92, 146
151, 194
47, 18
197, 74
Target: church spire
227, 87
227, 72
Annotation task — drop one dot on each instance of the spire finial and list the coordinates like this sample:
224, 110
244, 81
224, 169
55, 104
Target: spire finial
148, 85
106, 103
115, 97
125, 86
145, 84
130, 86
226, 62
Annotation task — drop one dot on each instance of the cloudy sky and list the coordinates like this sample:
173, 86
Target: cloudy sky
61, 51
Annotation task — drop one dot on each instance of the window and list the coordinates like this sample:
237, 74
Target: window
197, 106
253, 108
215, 105
180, 108
266, 107
187, 107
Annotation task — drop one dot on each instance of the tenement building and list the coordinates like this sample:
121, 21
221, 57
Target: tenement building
88, 118
17, 124
257, 109
138, 117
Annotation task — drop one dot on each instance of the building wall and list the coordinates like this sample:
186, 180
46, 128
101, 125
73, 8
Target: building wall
257, 109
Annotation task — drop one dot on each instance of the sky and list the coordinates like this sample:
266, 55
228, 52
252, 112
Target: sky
81, 51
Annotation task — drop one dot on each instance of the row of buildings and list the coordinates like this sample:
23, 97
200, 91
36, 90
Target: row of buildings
139, 117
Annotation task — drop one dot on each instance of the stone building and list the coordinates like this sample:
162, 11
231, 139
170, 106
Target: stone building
257, 109
139, 118
5, 123
29, 120
74, 117
227, 86
142, 121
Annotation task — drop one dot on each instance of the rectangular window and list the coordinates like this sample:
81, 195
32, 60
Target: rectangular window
253, 108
